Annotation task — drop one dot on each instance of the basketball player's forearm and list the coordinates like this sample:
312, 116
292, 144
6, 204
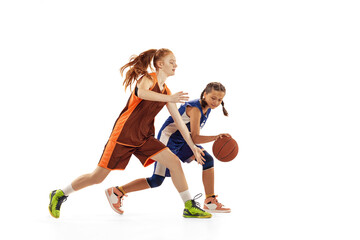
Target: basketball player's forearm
153, 96
203, 139
180, 125
185, 133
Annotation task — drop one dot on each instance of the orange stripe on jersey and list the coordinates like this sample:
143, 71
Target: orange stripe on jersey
133, 102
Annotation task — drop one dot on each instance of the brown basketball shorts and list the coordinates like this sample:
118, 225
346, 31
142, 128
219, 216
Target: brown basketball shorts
116, 156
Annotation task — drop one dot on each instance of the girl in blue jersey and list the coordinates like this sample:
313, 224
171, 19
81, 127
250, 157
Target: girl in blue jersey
194, 114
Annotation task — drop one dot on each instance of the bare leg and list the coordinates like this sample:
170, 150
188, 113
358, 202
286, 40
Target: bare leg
208, 181
172, 162
136, 185
96, 177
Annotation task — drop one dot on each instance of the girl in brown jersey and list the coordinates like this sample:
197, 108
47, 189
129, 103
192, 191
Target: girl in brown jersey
133, 133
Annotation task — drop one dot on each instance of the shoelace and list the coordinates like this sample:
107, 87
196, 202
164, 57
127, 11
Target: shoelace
216, 201
122, 199
196, 204
60, 201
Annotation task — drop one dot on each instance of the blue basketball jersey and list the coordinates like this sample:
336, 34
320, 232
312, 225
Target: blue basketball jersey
171, 136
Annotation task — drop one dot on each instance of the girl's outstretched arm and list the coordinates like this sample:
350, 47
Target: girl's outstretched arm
198, 153
143, 92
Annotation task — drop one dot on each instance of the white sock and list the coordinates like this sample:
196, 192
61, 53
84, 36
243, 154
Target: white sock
185, 195
67, 190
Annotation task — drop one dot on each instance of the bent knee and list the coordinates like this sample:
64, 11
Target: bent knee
209, 161
98, 175
174, 163
155, 180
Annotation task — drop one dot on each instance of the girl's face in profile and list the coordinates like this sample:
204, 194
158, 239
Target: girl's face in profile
168, 64
214, 98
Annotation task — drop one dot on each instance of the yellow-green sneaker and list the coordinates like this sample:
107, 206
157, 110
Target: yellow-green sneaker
57, 197
193, 210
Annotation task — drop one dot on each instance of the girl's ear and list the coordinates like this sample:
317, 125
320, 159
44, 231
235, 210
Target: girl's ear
160, 63
204, 95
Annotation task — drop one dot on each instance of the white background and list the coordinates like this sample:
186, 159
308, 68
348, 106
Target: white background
291, 69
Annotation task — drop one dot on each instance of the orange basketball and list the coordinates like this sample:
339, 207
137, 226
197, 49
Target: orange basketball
225, 149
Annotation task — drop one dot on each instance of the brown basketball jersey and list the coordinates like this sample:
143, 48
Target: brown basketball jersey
136, 122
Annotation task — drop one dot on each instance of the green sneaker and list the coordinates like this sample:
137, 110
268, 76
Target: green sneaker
193, 210
57, 197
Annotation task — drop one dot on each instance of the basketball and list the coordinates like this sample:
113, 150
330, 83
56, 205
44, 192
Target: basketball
225, 149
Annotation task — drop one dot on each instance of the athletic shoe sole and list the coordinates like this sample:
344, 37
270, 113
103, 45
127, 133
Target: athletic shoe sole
185, 216
217, 211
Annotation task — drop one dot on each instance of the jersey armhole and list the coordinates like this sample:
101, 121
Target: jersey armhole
154, 79
136, 91
168, 92
192, 107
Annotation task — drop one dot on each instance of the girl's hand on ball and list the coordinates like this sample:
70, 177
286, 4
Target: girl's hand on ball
222, 135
